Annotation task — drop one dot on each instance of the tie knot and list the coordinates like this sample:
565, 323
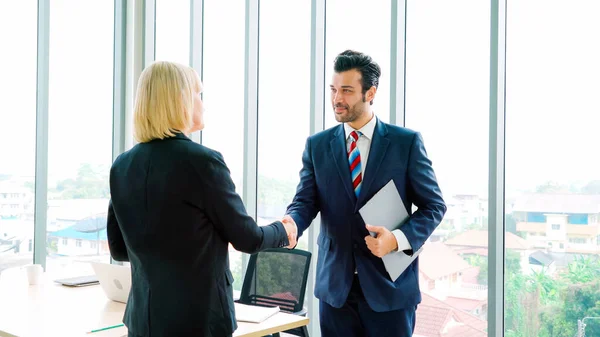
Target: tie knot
354, 135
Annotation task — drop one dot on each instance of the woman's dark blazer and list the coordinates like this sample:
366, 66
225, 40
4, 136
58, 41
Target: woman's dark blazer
172, 214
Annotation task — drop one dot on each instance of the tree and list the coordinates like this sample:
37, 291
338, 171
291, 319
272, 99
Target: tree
513, 262
570, 297
513, 265
30, 185
91, 183
593, 187
279, 273
553, 187
236, 272
577, 301
547, 287
52, 247
275, 192
515, 311
482, 263
474, 226
510, 223
583, 269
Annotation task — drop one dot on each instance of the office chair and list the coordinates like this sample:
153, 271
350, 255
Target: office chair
277, 277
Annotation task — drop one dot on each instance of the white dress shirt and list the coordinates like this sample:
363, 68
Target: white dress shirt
364, 145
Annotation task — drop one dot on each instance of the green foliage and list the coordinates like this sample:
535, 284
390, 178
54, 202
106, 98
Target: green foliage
474, 226
513, 265
30, 185
510, 223
275, 192
546, 286
579, 297
583, 269
279, 273
91, 183
52, 247
544, 305
555, 187
577, 301
482, 263
593, 187
513, 262
514, 310
236, 272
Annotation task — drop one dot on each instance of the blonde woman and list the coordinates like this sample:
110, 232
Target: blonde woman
173, 212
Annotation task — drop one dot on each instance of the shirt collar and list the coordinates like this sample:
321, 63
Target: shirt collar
367, 130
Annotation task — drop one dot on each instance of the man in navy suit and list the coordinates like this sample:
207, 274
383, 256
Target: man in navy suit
357, 296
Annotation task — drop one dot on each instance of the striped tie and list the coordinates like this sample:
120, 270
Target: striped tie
354, 160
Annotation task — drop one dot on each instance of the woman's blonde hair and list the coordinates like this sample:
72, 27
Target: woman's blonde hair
164, 102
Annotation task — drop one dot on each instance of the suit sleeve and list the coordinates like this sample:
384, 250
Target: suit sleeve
116, 244
425, 194
226, 211
305, 206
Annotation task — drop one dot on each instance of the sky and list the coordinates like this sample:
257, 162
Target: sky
552, 111
80, 90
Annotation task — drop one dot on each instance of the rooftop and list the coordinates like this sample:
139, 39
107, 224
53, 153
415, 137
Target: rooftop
438, 260
558, 203
72, 233
479, 238
434, 319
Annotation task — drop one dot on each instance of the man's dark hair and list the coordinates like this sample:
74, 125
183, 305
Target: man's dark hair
369, 70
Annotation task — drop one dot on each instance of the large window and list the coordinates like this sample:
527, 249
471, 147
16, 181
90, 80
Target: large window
224, 37
80, 130
18, 38
552, 167
447, 100
284, 104
364, 26
173, 31
552, 204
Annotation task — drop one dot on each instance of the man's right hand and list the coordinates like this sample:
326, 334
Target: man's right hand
291, 229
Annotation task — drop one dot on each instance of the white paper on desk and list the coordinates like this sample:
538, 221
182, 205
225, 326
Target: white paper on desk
253, 313
387, 209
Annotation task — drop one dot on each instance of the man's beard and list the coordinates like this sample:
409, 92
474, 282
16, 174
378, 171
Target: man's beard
350, 116
352, 112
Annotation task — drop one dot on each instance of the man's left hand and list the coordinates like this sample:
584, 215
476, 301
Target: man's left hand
292, 231
383, 243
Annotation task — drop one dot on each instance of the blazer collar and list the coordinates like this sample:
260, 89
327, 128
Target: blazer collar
379, 145
179, 135
340, 158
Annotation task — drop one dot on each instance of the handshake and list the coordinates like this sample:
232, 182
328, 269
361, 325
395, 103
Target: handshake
382, 244
292, 231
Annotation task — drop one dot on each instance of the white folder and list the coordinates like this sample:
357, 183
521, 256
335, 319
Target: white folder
253, 313
386, 209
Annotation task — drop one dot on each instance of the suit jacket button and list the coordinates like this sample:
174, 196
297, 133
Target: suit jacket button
355, 246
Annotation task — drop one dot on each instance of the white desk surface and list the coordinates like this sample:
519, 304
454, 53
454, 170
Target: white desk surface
50, 309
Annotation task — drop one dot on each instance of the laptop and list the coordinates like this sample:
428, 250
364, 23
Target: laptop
114, 279
78, 281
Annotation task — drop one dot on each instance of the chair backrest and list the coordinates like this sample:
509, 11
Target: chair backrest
277, 277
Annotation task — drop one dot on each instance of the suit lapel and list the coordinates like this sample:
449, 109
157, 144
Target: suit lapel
379, 145
340, 157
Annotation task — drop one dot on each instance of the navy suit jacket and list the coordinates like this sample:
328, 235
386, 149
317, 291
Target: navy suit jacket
325, 186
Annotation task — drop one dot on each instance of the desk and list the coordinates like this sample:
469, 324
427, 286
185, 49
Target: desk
49, 309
